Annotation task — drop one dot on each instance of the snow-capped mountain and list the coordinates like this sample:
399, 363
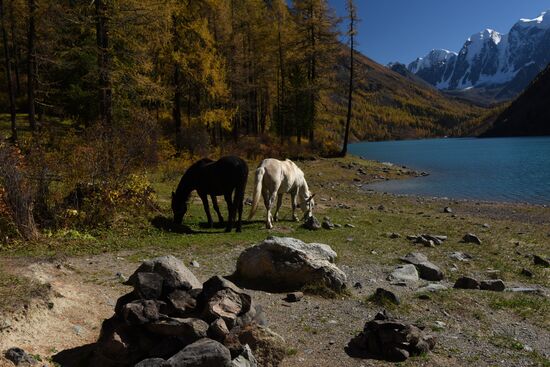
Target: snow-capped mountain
491, 60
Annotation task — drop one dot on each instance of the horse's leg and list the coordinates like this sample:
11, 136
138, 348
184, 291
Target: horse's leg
231, 210
271, 202
216, 208
206, 206
294, 205
279, 203
239, 202
268, 223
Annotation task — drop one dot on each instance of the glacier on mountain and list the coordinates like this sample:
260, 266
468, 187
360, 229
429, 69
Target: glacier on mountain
489, 58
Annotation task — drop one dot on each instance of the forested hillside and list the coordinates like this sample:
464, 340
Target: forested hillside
529, 114
223, 68
388, 105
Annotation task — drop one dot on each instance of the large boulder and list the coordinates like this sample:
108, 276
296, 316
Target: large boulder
284, 263
174, 273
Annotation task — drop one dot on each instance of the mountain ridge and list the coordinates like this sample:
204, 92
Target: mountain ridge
502, 64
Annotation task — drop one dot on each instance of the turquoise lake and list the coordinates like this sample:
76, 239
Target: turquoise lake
497, 169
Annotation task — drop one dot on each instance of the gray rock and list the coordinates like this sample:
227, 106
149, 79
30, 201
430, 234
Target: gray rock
394, 235
404, 273
141, 311
312, 223
181, 303
432, 288
189, 329
539, 260
172, 270
495, 285
327, 223
382, 296
223, 299
152, 362
19, 357
527, 290
448, 210
429, 271
245, 359
426, 269
202, 353
290, 264
460, 256
471, 238
527, 272
414, 258
218, 330
391, 340
294, 297
195, 264
148, 285
466, 283
349, 225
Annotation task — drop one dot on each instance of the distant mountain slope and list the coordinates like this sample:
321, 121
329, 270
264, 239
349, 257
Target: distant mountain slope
527, 115
388, 105
500, 65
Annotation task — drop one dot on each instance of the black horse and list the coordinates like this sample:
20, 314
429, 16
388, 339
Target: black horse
223, 177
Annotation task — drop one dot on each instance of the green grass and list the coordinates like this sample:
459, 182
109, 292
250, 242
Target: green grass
522, 304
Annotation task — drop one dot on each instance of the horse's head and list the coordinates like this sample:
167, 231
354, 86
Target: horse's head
179, 208
307, 206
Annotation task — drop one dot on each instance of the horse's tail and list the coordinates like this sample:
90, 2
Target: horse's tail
257, 191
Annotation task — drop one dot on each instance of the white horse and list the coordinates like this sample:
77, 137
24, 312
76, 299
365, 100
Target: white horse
273, 179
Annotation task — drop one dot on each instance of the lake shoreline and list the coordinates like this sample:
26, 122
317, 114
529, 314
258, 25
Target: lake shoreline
508, 170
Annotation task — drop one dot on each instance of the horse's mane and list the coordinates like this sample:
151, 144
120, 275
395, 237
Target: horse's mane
189, 175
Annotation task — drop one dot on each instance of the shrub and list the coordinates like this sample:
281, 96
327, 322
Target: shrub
17, 192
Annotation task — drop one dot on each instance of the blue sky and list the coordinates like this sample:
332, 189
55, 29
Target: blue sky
402, 30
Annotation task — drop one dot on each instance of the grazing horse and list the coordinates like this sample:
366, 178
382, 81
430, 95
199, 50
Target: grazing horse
273, 179
223, 177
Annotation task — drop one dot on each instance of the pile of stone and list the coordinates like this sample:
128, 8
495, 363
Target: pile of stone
427, 240
171, 319
285, 263
391, 340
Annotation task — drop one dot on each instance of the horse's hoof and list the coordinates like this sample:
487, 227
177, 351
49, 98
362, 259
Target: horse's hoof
227, 230
239, 230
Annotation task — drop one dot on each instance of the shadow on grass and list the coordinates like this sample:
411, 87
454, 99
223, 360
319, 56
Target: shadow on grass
166, 224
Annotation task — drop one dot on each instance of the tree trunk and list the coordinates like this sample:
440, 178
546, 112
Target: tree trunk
31, 62
7, 63
102, 39
350, 89
15, 51
281, 97
176, 113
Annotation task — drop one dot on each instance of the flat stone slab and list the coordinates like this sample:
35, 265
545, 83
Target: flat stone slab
432, 288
